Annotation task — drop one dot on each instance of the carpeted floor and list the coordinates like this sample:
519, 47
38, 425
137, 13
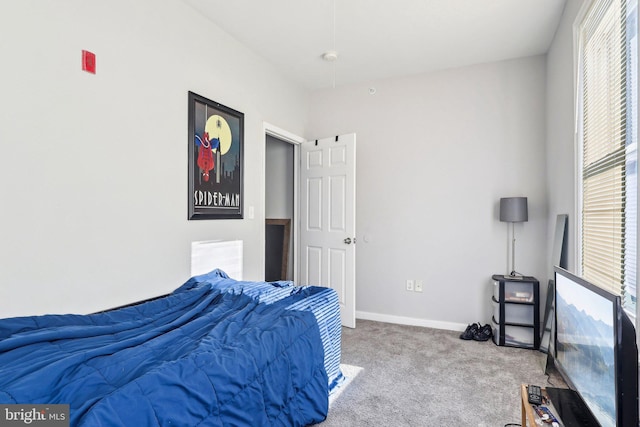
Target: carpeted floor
415, 376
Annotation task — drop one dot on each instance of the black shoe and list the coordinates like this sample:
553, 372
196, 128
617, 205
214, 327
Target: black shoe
470, 332
483, 333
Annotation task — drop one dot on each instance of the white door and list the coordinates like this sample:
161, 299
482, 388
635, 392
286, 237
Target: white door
328, 219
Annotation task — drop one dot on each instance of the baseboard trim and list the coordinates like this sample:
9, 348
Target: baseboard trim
411, 321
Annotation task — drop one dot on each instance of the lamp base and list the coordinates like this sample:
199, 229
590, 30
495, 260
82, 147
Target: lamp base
515, 275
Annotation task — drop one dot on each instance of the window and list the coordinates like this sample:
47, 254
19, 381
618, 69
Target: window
608, 136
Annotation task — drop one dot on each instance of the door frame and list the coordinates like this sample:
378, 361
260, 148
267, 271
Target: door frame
295, 140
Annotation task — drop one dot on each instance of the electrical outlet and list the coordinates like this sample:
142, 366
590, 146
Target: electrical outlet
409, 285
418, 286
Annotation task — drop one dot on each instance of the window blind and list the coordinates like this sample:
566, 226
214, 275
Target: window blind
604, 136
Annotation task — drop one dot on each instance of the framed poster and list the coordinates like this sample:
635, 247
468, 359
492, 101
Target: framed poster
216, 139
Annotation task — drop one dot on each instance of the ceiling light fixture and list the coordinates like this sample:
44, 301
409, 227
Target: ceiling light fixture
330, 56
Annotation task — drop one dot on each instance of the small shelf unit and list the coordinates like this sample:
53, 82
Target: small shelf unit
516, 311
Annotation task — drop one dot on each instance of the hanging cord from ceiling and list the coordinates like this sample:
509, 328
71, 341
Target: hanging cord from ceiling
332, 55
333, 43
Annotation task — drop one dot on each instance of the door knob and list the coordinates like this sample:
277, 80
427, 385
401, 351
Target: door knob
347, 241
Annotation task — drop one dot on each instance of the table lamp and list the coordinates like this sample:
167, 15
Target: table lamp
512, 210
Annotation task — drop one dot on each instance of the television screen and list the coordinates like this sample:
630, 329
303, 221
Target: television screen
586, 342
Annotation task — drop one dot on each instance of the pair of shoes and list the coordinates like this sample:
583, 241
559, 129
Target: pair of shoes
484, 333
477, 332
470, 332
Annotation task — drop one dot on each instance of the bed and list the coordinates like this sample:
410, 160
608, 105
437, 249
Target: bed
215, 352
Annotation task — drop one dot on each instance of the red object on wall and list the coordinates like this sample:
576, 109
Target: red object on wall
89, 61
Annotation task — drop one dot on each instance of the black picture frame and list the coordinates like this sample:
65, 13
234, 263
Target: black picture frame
216, 151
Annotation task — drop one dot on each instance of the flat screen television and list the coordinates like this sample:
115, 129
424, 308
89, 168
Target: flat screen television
595, 351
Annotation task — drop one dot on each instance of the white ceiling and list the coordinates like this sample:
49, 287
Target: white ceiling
378, 39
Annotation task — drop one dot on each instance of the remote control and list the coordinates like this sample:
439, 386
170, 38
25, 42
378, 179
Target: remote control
535, 394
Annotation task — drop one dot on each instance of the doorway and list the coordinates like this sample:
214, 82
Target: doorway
279, 209
322, 228
281, 189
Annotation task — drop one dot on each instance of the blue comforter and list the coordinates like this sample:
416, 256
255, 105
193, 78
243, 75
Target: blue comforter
214, 352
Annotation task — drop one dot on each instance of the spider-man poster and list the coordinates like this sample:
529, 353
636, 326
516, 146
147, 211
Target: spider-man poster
216, 137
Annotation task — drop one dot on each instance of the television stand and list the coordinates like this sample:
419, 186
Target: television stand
565, 404
570, 407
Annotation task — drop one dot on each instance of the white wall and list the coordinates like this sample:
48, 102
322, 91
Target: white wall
561, 166
435, 154
93, 168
